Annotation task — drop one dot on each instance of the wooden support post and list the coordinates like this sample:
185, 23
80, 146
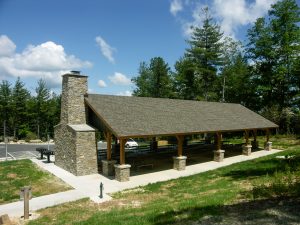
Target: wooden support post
254, 134
268, 144
219, 141
108, 141
122, 151
180, 139
219, 153
247, 137
267, 135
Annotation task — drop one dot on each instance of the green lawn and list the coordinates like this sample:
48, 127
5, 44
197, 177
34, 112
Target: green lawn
19, 173
243, 192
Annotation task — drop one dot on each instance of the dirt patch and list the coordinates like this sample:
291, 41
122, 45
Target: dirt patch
12, 175
209, 192
135, 190
167, 186
214, 180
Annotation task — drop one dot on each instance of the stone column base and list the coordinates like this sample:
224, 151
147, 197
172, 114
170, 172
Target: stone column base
179, 162
268, 146
108, 168
122, 172
255, 144
219, 155
247, 149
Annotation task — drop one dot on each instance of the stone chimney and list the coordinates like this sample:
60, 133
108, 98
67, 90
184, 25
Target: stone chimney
74, 87
75, 141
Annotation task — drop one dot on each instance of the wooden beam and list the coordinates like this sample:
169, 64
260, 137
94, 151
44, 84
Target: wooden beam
247, 137
180, 139
187, 133
108, 141
219, 140
122, 151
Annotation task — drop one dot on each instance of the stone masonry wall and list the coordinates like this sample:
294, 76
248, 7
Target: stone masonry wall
86, 154
75, 144
65, 148
73, 108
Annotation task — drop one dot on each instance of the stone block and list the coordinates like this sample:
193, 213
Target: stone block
255, 144
4, 219
247, 149
179, 162
122, 172
268, 146
108, 167
219, 155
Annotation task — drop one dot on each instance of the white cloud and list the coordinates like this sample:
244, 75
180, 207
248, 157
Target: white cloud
230, 14
176, 6
47, 60
119, 79
106, 49
235, 13
101, 83
125, 93
197, 15
7, 47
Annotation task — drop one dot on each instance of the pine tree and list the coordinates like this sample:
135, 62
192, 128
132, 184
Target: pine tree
285, 18
274, 50
5, 101
160, 78
42, 108
185, 80
142, 81
154, 80
20, 96
206, 54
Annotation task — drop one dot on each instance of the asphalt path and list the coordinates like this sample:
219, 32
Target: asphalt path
22, 150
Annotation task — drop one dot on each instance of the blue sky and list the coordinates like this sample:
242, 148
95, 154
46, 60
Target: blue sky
106, 40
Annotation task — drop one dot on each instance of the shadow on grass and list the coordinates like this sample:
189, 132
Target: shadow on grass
256, 169
270, 211
260, 168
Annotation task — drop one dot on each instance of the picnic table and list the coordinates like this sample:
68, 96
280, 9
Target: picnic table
44, 151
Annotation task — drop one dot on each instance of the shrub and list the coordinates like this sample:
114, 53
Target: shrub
30, 136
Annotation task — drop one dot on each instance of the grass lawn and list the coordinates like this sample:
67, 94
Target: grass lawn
261, 191
19, 173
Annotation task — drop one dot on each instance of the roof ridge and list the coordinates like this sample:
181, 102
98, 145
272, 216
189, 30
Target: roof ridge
164, 99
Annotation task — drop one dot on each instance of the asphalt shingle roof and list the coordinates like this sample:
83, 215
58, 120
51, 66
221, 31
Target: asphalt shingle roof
142, 116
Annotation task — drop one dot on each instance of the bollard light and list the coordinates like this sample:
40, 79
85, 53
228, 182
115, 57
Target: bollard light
101, 190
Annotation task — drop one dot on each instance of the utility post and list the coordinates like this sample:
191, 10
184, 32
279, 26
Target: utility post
48, 139
26, 195
5, 139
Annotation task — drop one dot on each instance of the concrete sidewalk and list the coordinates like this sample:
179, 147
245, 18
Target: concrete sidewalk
88, 186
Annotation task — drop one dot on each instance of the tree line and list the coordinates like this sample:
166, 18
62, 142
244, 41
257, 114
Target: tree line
263, 74
28, 115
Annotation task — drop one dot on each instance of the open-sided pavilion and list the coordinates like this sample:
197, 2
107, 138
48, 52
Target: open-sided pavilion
142, 117
125, 117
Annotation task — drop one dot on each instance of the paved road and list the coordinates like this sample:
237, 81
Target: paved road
22, 150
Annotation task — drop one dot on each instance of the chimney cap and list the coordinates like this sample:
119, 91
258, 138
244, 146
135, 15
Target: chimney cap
77, 72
